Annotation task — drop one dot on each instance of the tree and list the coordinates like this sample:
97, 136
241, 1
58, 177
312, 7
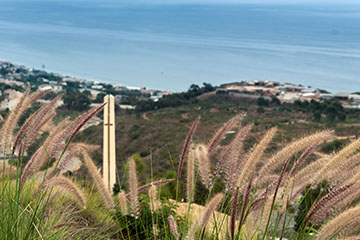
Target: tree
99, 98
208, 87
75, 100
50, 95
275, 100
260, 110
342, 116
194, 88
317, 116
175, 99
263, 102
147, 105
331, 113
71, 85
87, 93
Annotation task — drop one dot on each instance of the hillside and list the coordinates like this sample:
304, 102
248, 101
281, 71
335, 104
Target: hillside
158, 135
87, 205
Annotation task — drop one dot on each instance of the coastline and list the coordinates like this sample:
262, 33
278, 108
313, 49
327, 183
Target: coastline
102, 80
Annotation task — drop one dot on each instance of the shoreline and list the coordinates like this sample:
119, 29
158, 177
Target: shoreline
131, 87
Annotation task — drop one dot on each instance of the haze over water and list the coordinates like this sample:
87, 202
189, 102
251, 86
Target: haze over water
172, 46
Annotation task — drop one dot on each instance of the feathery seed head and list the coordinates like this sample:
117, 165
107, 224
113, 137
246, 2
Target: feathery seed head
326, 204
204, 165
302, 158
306, 175
286, 192
104, 193
210, 208
337, 223
123, 203
255, 157
347, 198
235, 201
215, 140
186, 146
340, 163
154, 199
133, 186
147, 186
29, 167
7, 129
246, 198
33, 124
173, 226
290, 150
58, 144
230, 163
350, 228
205, 216
67, 185
190, 176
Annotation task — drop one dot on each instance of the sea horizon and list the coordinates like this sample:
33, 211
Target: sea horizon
170, 47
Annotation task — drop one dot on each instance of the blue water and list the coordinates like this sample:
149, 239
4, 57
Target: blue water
173, 46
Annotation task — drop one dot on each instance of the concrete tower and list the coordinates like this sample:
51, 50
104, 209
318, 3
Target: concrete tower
109, 157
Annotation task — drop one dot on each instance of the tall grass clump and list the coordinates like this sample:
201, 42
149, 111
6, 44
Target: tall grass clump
227, 193
37, 202
262, 189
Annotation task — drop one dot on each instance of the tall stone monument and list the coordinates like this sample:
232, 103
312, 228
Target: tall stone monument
109, 157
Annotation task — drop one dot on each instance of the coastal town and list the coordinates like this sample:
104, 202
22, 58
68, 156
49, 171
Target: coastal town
15, 78
287, 93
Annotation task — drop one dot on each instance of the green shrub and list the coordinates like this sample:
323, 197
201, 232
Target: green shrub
145, 153
334, 146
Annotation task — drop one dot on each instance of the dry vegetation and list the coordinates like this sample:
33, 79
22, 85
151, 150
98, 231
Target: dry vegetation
248, 193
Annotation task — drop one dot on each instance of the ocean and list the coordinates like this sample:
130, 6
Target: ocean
170, 47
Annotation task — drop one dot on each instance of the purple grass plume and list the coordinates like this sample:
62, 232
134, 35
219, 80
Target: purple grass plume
204, 166
215, 140
186, 146
35, 122
147, 186
302, 158
232, 158
67, 185
173, 226
234, 211
133, 186
27, 172
326, 204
